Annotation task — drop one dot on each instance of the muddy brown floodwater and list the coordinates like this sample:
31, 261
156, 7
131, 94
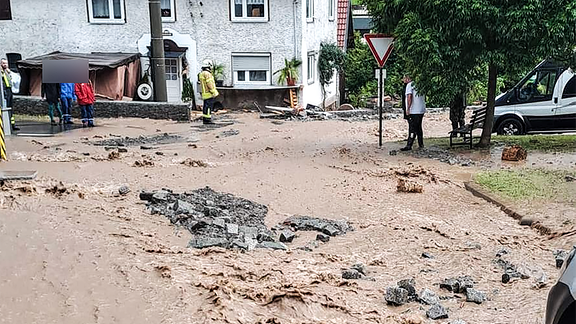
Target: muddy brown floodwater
74, 251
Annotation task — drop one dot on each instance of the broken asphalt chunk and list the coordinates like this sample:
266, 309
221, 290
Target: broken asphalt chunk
287, 236
475, 296
437, 312
428, 297
271, 245
396, 296
323, 237
351, 274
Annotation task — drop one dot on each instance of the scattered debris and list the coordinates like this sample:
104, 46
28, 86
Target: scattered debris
437, 312
323, 237
410, 286
393, 152
328, 227
140, 140
502, 251
514, 153
541, 281
230, 132
560, 256
113, 155
194, 163
287, 236
396, 296
58, 190
442, 155
122, 150
360, 268
427, 255
159, 153
147, 147
458, 321
143, 163
475, 296
405, 185
457, 285
192, 145
351, 274
124, 190
428, 297
570, 178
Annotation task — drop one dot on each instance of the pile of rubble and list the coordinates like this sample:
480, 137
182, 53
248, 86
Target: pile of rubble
224, 220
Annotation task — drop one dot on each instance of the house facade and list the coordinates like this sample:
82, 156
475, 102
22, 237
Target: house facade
250, 38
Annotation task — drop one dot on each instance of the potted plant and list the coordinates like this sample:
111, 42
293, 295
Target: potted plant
289, 73
219, 74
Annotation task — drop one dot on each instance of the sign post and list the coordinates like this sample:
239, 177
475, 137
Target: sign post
381, 46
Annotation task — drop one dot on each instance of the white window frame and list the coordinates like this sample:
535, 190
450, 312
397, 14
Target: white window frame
248, 82
172, 17
245, 17
331, 10
311, 67
309, 13
112, 20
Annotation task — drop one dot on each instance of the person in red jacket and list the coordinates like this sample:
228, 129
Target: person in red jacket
85, 98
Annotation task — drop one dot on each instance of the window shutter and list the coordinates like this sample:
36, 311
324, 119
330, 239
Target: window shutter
5, 11
251, 63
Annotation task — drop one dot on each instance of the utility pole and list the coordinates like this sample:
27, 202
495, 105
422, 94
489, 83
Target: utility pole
157, 60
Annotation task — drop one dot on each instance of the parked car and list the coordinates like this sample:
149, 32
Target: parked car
544, 101
561, 305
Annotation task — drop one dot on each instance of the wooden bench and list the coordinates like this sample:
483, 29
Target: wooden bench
477, 122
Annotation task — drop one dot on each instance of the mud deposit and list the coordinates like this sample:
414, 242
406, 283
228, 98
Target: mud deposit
78, 245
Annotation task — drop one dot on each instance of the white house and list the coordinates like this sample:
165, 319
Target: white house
251, 38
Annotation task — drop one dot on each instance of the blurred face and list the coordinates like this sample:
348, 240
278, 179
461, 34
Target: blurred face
4, 64
406, 79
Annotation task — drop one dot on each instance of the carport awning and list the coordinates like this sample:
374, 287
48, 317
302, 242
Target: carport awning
96, 60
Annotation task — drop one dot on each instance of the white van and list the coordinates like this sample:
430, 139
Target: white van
542, 102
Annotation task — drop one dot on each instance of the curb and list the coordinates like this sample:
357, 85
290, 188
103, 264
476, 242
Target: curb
480, 192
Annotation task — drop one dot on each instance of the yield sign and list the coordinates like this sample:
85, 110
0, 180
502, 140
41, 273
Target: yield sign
381, 46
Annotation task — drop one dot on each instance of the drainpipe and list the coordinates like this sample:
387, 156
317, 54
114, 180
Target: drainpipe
294, 20
157, 59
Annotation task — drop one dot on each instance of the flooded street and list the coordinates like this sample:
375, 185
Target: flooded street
73, 250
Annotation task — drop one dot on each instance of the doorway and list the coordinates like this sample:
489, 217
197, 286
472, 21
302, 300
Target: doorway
173, 79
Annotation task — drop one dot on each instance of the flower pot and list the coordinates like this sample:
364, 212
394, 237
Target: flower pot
219, 83
291, 82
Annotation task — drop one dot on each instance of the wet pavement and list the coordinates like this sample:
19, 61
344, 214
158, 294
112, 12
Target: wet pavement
32, 128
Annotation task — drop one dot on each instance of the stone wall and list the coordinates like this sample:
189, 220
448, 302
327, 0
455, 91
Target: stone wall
109, 109
233, 98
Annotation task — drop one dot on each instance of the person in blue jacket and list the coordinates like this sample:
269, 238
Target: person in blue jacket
67, 97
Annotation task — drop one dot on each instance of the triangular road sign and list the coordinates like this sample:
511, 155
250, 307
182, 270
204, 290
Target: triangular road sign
381, 46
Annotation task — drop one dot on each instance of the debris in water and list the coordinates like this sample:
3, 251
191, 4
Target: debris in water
405, 185
143, 163
514, 153
194, 163
140, 140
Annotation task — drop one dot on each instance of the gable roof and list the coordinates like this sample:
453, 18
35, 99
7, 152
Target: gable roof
343, 18
96, 60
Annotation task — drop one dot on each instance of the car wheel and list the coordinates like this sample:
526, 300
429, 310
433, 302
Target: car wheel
511, 126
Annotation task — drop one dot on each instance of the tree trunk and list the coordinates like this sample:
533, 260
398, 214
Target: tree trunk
323, 98
489, 123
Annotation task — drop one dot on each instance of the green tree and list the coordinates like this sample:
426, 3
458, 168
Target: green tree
330, 59
444, 41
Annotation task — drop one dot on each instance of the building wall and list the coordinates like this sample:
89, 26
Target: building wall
322, 29
42, 26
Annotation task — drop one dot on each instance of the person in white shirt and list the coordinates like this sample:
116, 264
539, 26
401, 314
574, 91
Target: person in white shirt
415, 109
